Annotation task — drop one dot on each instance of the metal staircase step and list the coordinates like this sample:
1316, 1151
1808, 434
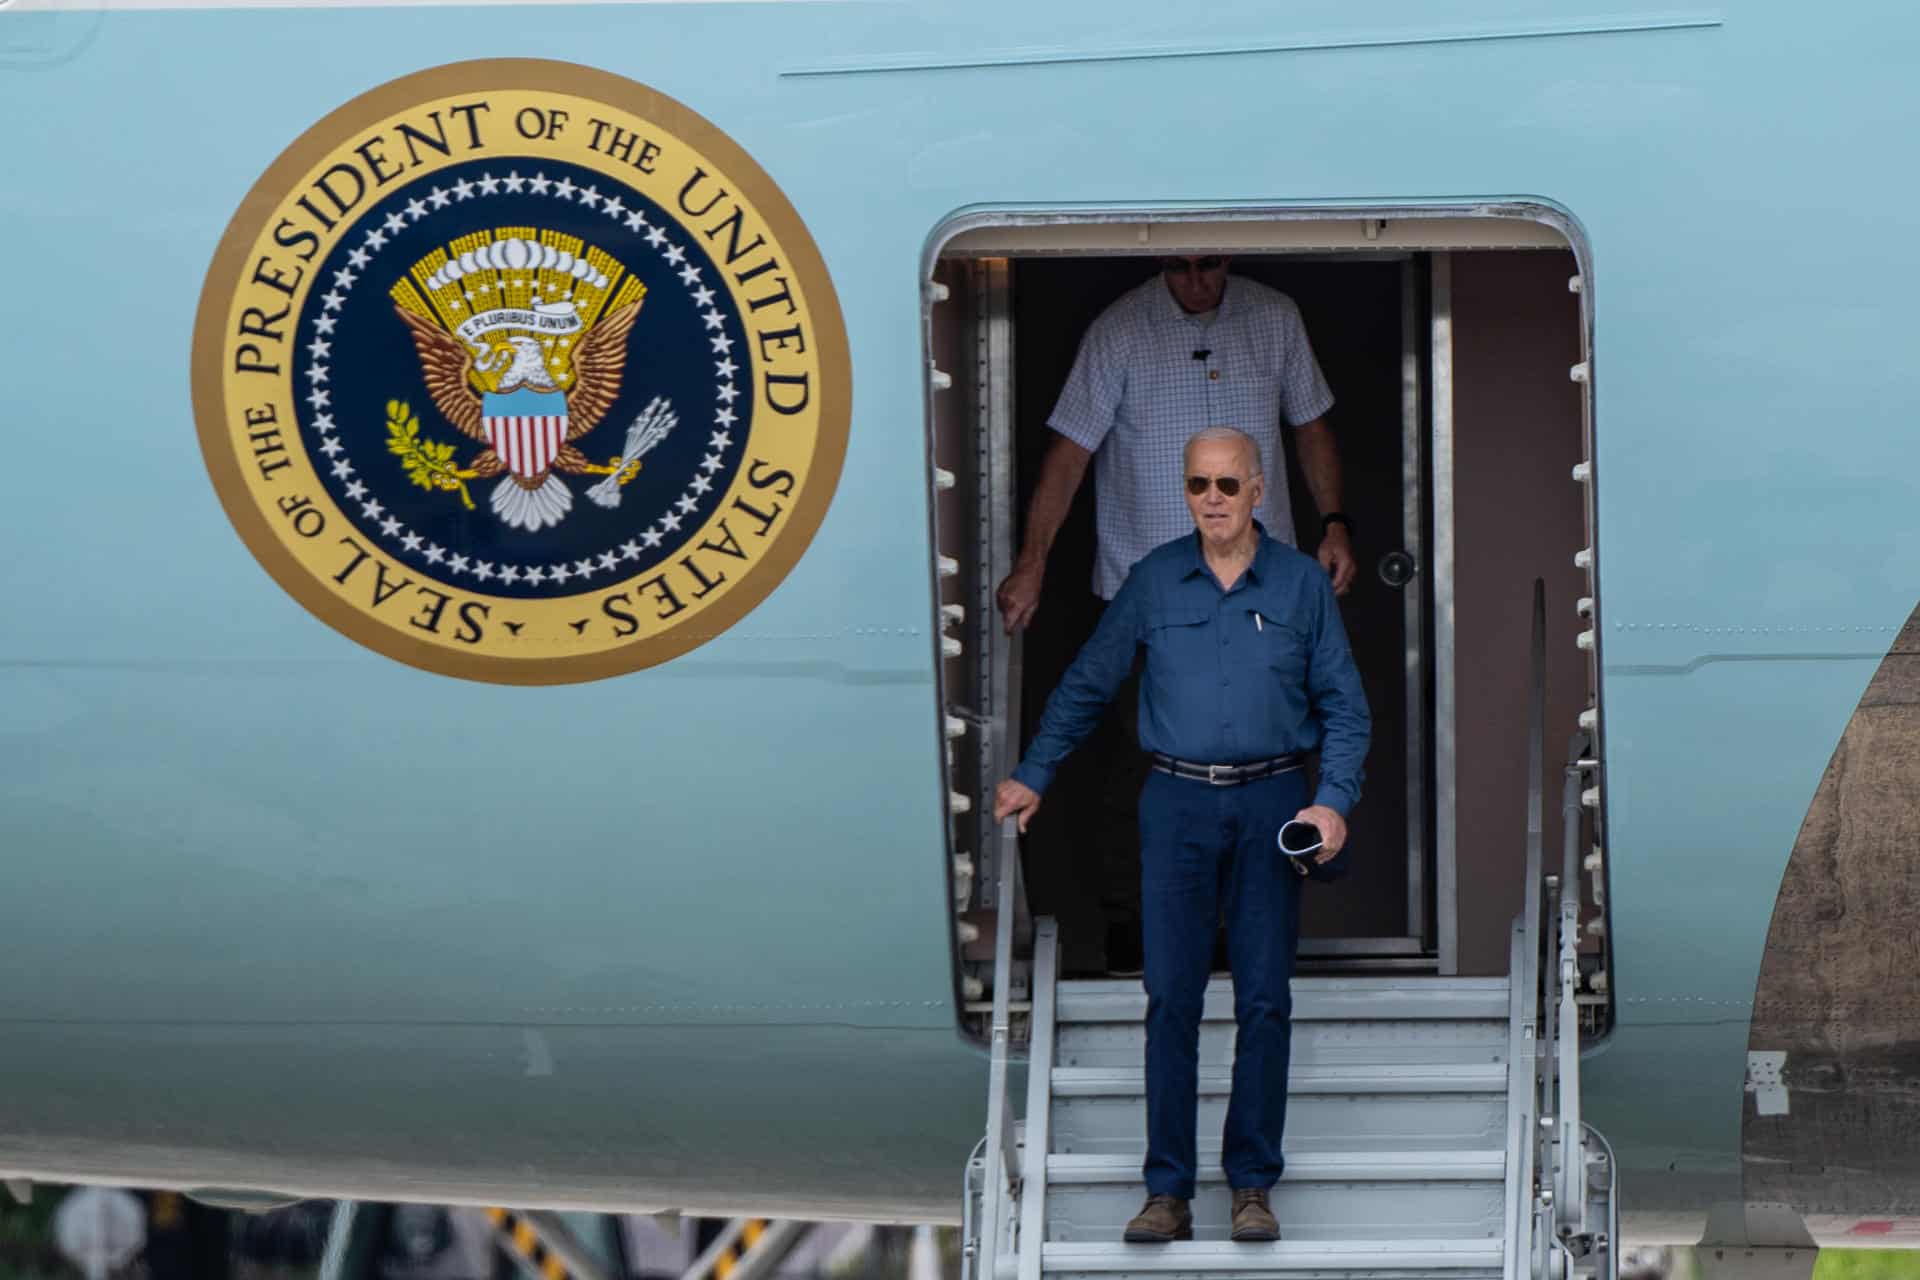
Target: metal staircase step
1314, 999
1117, 1125
1381, 1259
1318, 1211
1305, 1166
1324, 1196
1396, 1137
1329, 1043
1486, 1077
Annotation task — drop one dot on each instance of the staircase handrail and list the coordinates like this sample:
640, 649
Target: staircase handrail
1548, 1209
1570, 1200
1526, 1067
1536, 757
1003, 1159
1036, 1140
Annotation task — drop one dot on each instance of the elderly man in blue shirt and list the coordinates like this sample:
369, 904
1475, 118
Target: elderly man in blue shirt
1247, 671
1190, 347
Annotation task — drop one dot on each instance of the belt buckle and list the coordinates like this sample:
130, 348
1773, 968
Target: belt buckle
1213, 777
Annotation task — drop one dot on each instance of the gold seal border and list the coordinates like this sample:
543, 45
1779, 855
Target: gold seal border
540, 75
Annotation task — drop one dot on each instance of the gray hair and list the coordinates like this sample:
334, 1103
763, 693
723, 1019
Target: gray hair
1208, 435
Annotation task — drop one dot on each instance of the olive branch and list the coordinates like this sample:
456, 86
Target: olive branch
429, 463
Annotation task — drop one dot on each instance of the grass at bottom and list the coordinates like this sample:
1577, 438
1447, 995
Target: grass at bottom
1867, 1264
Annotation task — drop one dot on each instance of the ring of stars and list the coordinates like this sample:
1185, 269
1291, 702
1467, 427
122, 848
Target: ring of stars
393, 530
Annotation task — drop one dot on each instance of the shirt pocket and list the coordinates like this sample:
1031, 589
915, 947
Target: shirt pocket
1176, 644
1284, 646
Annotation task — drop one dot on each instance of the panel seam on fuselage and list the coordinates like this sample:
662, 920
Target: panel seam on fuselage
1064, 57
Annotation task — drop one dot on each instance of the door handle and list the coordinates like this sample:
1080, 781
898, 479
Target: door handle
1397, 568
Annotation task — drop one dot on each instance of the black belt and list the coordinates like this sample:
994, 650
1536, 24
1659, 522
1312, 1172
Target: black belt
1228, 775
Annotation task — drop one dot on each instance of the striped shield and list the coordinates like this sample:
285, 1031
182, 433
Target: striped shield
526, 428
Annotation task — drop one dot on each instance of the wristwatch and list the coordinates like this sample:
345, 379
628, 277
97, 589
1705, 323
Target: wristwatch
1332, 518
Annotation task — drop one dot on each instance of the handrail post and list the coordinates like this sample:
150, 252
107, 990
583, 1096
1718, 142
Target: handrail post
1570, 1198
1005, 932
1536, 766
1526, 1065
1521, 1095
1552, 1222
1003, 1156
1033, 1190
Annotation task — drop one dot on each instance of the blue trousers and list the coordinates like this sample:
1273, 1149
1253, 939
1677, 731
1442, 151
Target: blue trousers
1206, 851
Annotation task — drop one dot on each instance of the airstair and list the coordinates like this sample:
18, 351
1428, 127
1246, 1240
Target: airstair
1433, 1125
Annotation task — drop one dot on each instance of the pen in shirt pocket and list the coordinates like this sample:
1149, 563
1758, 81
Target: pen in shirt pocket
1256, 619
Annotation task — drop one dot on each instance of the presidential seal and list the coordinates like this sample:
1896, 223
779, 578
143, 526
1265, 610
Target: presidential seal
518, 371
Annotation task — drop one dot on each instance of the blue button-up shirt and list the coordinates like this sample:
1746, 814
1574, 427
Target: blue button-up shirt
1232, 676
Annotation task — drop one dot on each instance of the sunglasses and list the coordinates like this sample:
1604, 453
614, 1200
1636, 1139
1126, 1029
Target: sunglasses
1229, 486
1180, 266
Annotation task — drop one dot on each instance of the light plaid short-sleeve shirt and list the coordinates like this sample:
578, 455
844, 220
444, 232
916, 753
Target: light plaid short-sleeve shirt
1137, 394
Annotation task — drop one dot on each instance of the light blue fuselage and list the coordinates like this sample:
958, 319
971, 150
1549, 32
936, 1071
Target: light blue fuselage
278, 911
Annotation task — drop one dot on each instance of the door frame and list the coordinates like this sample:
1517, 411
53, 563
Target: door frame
1434, 230
1414, 492
1445, 772
1426, 927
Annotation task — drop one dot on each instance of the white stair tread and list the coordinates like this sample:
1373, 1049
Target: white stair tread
1306, 1166
1279, 1257
1474, 1077
1314, 999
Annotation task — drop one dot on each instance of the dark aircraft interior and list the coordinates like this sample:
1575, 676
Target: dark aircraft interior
1459, 425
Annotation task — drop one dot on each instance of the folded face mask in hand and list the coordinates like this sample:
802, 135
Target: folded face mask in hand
1298, 839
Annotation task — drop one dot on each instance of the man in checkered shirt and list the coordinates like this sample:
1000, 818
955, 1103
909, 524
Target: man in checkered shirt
1191, 348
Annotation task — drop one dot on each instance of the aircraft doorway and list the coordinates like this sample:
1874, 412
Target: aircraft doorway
1459, 428
1358, 315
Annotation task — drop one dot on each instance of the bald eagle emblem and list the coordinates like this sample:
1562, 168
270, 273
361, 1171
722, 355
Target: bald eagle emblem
522, 338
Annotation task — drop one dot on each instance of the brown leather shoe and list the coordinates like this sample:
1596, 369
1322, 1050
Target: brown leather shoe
1161, 1219
1252, 1220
